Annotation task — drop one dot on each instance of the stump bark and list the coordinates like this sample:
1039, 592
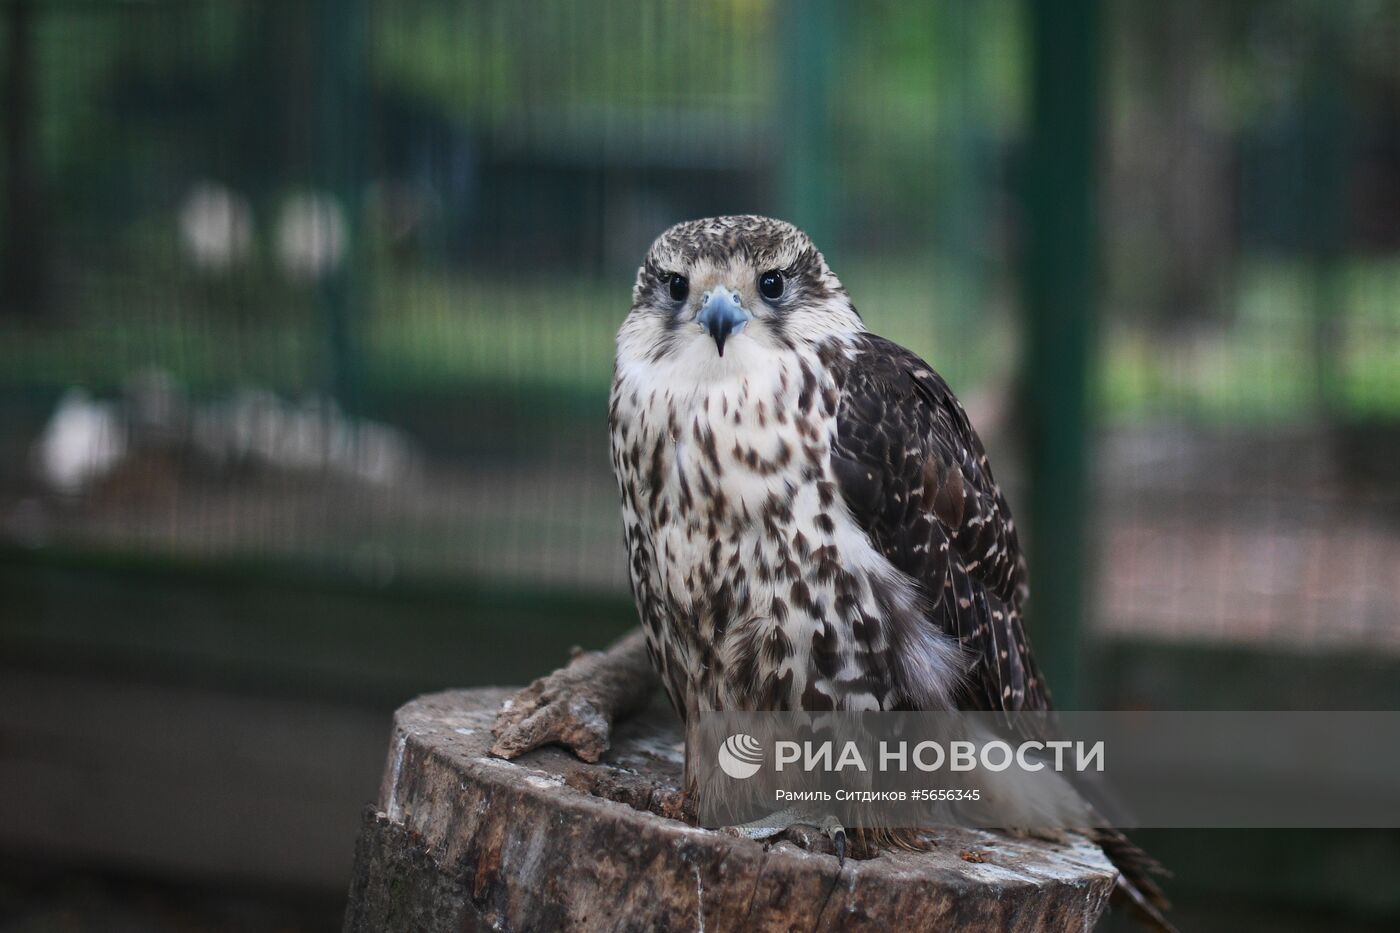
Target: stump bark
462, 840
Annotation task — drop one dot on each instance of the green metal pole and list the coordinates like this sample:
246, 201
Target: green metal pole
1060, 266
1324, 202
963, 182
342, 28
810, 31
24, 254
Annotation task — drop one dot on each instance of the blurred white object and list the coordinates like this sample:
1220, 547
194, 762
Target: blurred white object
85, 439
82, 442
255, 426
216, 226
156, 408
311, 235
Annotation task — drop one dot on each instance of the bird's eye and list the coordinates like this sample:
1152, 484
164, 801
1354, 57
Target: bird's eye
679, 285
771, 284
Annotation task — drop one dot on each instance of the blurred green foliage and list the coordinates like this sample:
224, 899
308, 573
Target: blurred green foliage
1211, 265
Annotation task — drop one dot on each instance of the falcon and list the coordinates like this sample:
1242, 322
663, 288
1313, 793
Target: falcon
811, 521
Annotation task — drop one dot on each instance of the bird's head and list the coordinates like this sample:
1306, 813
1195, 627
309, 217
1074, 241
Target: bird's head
728, 288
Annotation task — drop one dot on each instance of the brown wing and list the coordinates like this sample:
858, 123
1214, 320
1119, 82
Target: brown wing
914, 475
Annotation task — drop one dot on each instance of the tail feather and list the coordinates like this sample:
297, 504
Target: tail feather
1136, 885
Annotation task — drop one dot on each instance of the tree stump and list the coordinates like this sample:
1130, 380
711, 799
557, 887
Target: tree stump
461, 840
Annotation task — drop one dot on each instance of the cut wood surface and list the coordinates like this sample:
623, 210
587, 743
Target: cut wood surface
463, 840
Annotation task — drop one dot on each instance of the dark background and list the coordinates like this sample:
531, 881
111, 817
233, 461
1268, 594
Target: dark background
306, 320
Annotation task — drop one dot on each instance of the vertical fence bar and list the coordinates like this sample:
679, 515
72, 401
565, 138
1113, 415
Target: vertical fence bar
1060, 264
962, 187
809, 31
23, 256
341, 141
1324, 203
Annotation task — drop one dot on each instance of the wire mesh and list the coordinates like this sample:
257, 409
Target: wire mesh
335, 284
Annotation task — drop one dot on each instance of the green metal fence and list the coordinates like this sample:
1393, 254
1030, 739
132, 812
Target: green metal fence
431, 212
344, 276
307, 309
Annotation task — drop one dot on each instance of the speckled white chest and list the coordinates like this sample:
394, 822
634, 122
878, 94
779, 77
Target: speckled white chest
757, 587
729, 448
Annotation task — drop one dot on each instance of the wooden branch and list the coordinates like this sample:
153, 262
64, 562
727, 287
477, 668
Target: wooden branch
576, 705
463, 840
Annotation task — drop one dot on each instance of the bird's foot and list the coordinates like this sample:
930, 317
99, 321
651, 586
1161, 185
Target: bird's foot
576, 705
774, 823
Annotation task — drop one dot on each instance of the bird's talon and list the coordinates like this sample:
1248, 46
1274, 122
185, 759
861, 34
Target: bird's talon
768, 827
832, 829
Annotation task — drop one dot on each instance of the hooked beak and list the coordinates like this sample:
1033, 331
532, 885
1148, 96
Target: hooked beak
722, 315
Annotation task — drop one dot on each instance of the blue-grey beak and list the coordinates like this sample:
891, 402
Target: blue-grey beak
722, 315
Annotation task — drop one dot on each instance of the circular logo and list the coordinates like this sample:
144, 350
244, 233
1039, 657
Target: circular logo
740, 756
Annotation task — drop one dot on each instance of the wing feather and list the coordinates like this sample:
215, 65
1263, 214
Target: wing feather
914, 475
